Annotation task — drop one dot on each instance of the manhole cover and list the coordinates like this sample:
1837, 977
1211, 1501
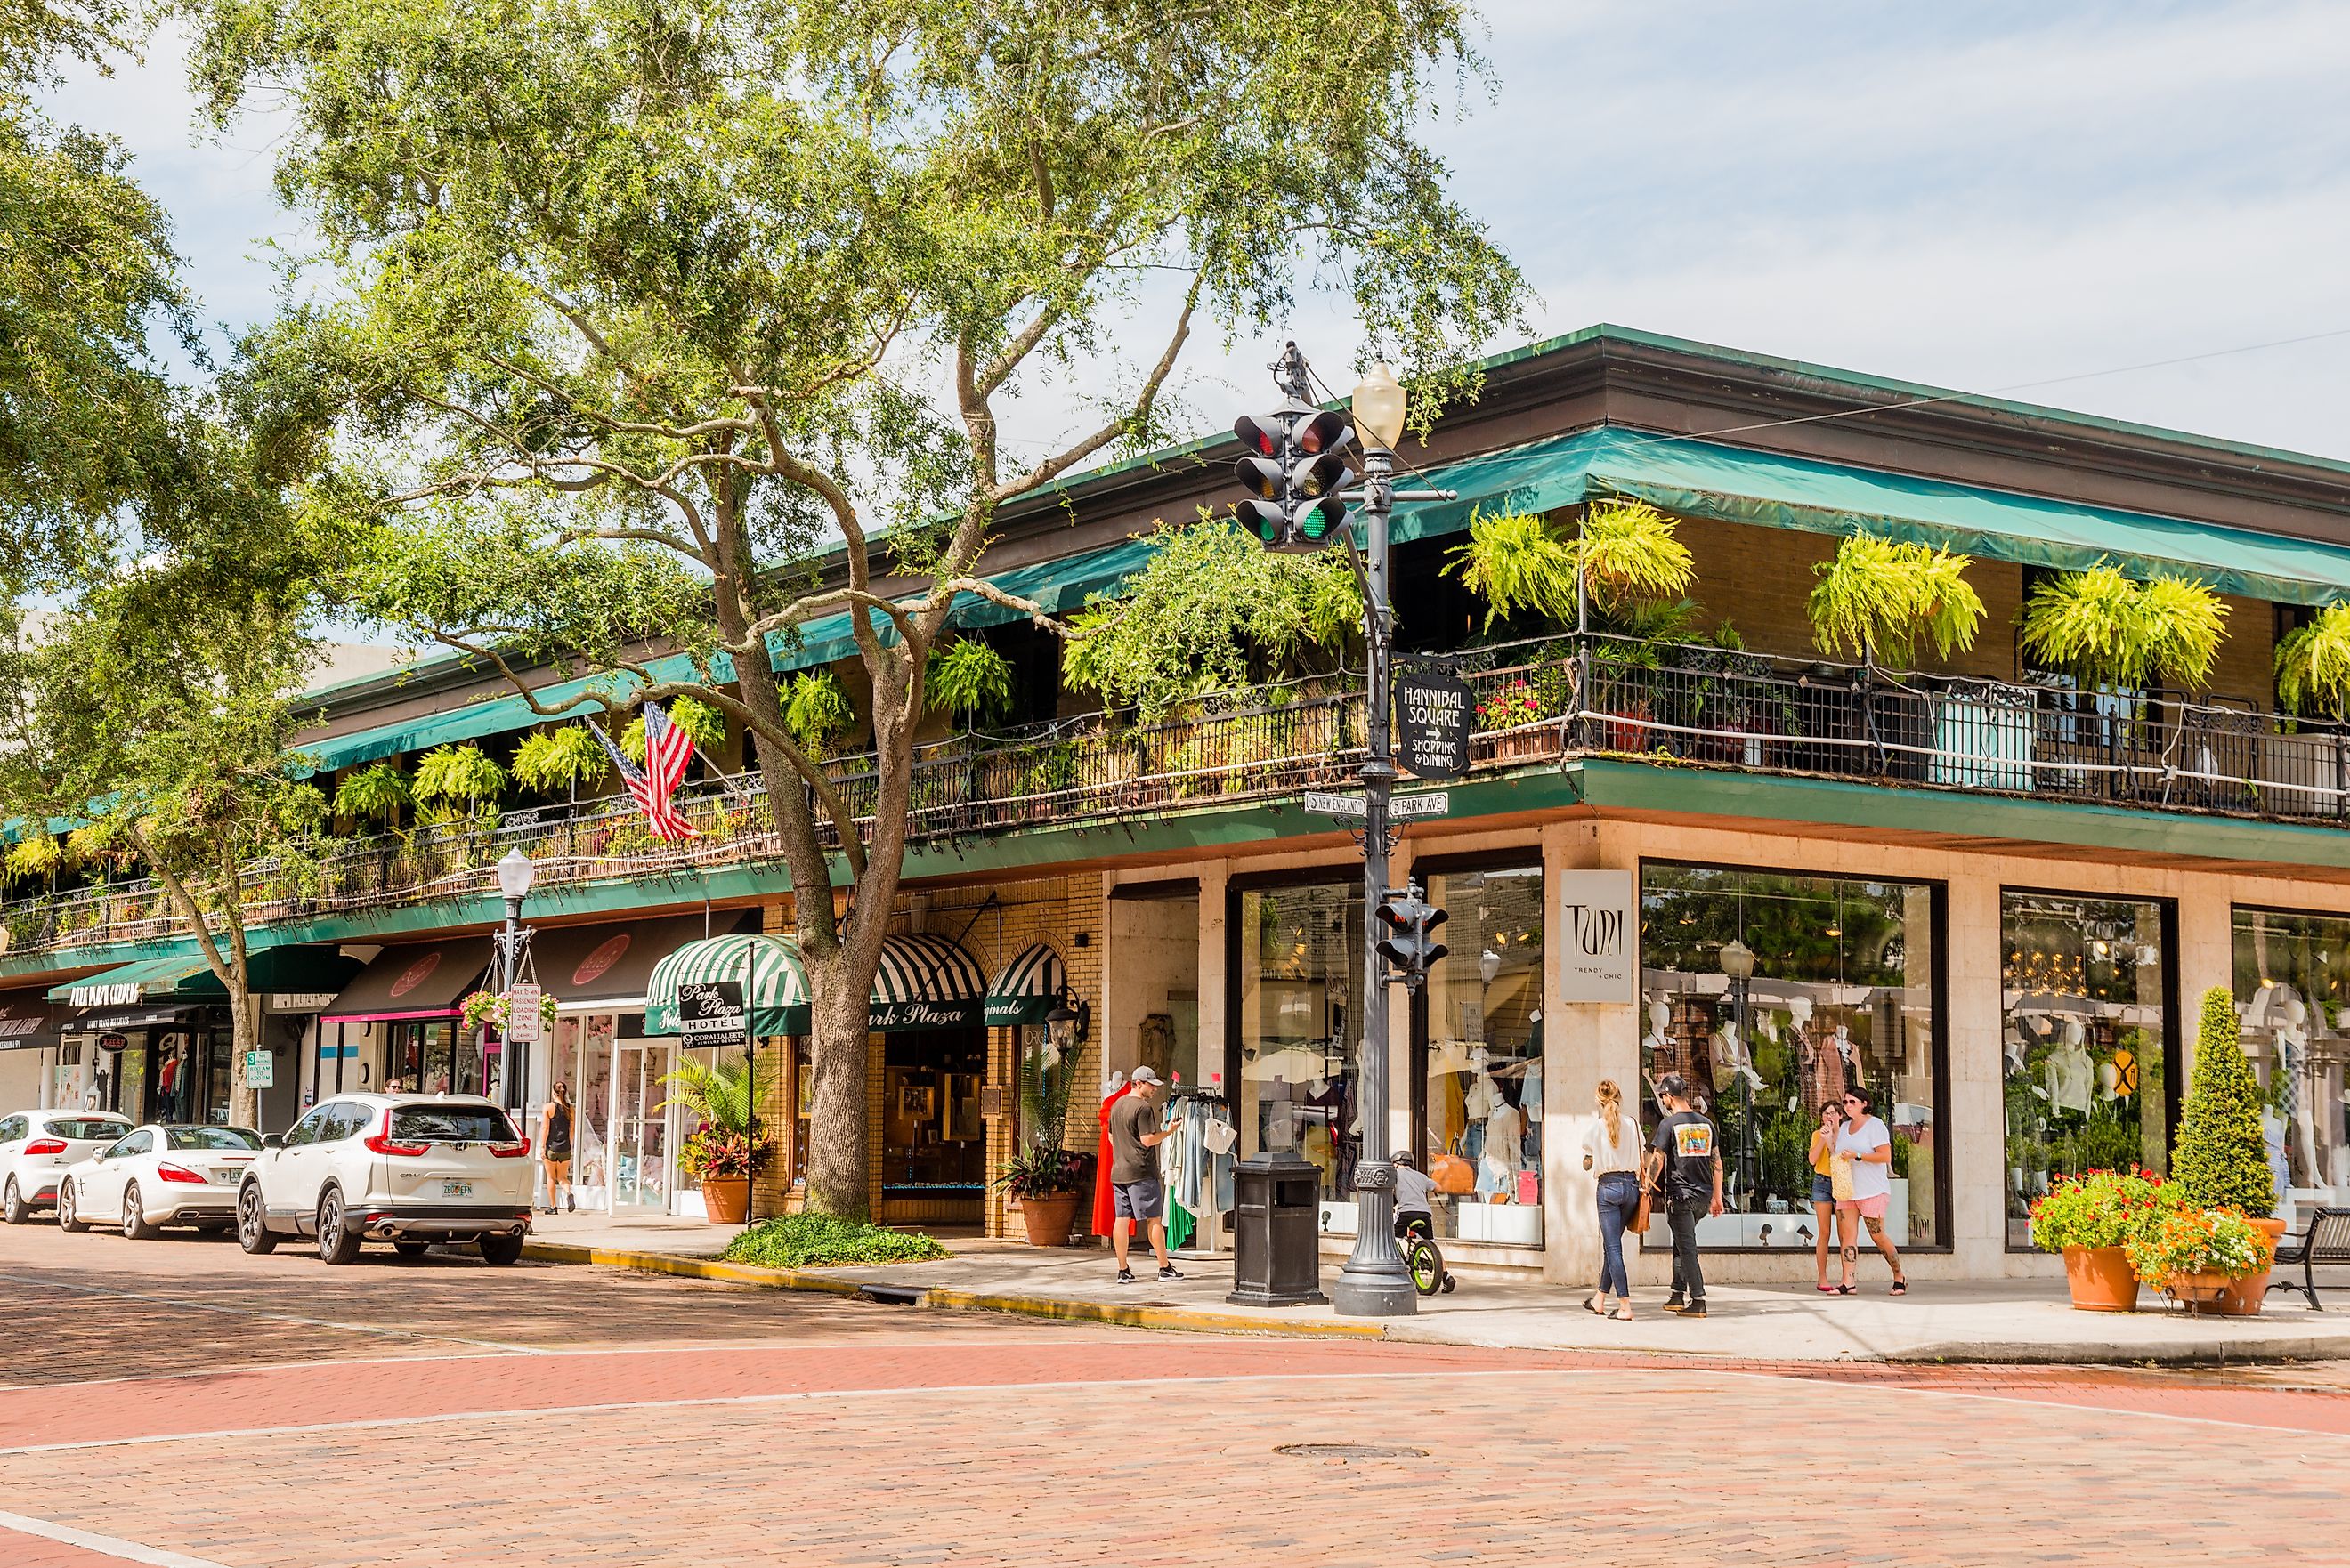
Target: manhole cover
1339, 1453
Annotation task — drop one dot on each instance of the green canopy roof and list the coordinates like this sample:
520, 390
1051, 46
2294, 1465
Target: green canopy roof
186, 977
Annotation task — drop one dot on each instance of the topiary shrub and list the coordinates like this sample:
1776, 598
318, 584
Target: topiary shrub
2221, 1161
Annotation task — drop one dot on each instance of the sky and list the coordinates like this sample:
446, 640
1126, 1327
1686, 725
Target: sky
1986, 197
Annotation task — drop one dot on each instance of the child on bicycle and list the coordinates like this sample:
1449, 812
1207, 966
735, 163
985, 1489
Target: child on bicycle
1415, 1212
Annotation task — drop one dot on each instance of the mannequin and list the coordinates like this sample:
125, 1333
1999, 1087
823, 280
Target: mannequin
2272, 1136
2069, 1073
1733, 1058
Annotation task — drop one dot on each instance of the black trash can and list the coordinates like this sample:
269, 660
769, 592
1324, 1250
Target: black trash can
1276, 1225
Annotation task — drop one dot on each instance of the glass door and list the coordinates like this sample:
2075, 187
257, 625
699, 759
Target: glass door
639, 1127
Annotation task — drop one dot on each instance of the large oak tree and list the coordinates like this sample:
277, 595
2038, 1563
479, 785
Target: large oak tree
647, 303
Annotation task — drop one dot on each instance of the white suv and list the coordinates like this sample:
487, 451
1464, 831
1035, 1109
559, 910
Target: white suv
36, 1147
411, 1169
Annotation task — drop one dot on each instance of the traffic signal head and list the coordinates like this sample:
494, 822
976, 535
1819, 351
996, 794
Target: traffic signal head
1296, 458
1409, 944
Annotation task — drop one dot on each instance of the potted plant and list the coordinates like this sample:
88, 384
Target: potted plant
2090, 1218
703, 725
2312, 663
817, 714
2104, 629
453, 782
969, 681
1047, 1182
725, 1151
2199, 1256
2221, 1161
1884, 597
559, 761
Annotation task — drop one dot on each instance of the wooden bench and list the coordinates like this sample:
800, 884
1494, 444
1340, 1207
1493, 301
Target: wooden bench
2326, 1239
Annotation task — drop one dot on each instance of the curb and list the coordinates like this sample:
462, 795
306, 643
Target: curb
937, 1298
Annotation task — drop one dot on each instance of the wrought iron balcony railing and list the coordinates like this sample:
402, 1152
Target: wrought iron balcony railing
1537, 702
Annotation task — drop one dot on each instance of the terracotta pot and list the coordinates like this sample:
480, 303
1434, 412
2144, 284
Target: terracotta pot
727, 1198
2100, 1278
2200, 1292
2245, 1297
1049, 1219
1626, 731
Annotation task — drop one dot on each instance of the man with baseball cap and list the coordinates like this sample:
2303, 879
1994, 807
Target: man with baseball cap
1135, 1190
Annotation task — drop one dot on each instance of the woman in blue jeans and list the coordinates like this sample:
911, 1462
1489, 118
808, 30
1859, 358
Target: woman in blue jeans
1611, 1149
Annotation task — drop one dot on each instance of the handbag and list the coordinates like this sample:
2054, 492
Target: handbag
1452, 1174
1840, 1178
1638, 1225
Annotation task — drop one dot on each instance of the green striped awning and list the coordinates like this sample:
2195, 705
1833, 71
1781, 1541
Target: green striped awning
769, 968
926, 982
1027, 988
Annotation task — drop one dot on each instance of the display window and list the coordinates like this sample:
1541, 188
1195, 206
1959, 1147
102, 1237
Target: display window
2086, 1042
2290, 984
1770, 993
1298, 983
1478, 1046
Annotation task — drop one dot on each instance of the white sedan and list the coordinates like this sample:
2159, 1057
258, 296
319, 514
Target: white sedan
37, 1146
158, 1176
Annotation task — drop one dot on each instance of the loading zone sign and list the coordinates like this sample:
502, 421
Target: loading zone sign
713, 1010
1433, 710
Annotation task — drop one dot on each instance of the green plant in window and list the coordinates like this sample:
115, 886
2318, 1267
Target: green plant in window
559, 761
2221, 1161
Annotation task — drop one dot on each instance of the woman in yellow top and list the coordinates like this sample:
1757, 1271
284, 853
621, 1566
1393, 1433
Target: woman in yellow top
1824, 1162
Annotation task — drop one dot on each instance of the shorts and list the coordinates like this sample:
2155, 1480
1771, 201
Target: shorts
1822, 1190
1867, 1208
1136, 1199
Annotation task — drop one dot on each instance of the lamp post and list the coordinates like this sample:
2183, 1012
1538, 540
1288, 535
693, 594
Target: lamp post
516, 871
1375, 1283
1738, 963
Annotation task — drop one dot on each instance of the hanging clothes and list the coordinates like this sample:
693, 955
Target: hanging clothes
1105, 1220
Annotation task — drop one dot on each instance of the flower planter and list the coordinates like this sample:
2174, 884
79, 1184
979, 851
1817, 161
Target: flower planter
2245, 1297
727, 1199
2100, 1278
1627, 732
2199, 1292
1049, 1219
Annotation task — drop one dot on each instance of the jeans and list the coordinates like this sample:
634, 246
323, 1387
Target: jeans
1619, 1197
1683, 1214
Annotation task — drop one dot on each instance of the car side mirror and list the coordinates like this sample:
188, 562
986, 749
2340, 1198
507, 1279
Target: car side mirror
273, 1140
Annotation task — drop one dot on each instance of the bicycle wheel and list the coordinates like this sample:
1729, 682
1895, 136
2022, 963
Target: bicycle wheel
1426, 1263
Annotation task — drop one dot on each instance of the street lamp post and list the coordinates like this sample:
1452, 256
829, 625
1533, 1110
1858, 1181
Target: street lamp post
1375, 1283
1738, 963
516, 871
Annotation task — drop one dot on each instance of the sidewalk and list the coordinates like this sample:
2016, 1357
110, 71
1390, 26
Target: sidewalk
2011, 1320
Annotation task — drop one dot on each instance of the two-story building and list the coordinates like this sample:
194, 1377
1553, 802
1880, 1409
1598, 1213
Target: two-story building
1987, 895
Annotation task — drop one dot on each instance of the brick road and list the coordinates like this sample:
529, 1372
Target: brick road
178, 1403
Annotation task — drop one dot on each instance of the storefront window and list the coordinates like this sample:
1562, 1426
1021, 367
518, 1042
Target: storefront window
1841, 991
2290, 979
1299, 982
1480, 1060
2085, 1039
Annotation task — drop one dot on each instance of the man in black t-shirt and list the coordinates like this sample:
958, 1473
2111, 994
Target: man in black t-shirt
1683, 1160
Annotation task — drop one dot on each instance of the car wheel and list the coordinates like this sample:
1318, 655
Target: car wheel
12, 1206
335, 1244
253, 1232
66, 1220
411, 1248
501, 1249
134, 1216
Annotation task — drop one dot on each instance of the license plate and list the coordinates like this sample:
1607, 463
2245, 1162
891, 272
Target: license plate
456, 1190
226, 1176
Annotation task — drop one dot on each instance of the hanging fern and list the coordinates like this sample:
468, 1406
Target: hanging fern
1630, 553
458, 776
2106, 630
970, 679
1514, 561
2312, 663
376, 795
557, 760
32, 859
817, 711
703, 725
1878, 596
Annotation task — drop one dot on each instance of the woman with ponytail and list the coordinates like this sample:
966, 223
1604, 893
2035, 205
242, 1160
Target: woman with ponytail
1611, 1149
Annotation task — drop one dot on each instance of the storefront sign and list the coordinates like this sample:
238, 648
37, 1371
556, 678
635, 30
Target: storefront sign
713, 1010
299, 1001
1433, 710
525, 1025
1599, 956
260, 1070
106, 995
114, 1041
922, 1014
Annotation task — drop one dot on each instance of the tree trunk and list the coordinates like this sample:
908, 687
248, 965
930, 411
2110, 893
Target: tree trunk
839, 1150
244, 1034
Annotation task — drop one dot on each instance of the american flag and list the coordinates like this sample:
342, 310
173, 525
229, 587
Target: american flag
669, 751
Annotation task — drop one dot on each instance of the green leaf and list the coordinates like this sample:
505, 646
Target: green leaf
458, 775
559, 761
1879, 597
968, 680
2312, 663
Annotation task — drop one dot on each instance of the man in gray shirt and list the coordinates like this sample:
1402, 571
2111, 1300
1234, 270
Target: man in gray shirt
1135, 1190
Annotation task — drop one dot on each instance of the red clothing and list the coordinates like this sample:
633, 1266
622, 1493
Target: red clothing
1104, 1223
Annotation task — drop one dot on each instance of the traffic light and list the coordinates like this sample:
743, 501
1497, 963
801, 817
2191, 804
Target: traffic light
1409, 944
1296, 461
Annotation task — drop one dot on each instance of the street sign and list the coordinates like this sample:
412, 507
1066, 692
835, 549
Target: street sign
1337, 804
525, 1025
713, 1010
1411, 807
1435, 709
260, 1070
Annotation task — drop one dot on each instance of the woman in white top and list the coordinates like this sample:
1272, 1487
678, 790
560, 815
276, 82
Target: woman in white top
1611, 1149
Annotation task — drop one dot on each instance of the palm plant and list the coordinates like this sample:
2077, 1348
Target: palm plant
453, 780
1883, 596
2312, 663
970, 681
718, 1094
817, 712
559, 761
2106, 630
705, 726
377, 794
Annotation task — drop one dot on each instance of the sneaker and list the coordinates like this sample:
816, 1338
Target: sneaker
1674, 1304
1126, 1276
1171, 1273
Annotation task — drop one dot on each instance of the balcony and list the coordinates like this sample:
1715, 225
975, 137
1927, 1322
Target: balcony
1694, 707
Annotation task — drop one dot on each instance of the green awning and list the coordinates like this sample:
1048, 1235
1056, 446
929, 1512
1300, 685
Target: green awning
1731, 484
1028, 988
925, 982
774, 984
186, 977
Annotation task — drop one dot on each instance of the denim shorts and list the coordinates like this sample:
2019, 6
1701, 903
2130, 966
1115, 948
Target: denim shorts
1822, 1190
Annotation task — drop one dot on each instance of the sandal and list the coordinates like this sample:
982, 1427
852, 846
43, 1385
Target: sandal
1900, 1285
1623, 1313
1846, 1290
1591, 1304
1827, 1289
